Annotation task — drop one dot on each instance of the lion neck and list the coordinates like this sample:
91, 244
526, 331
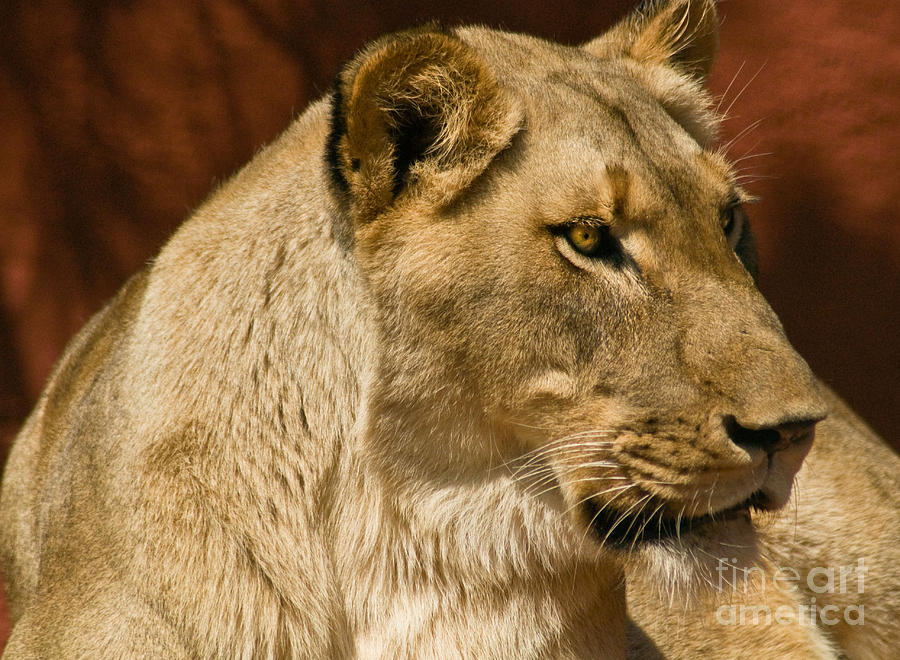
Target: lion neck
443, 530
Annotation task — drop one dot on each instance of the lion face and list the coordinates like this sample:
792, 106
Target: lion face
557, 252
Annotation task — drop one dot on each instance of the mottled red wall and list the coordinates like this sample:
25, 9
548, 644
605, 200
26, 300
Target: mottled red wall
116, 118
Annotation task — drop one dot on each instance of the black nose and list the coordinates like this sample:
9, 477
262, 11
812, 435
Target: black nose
769, 438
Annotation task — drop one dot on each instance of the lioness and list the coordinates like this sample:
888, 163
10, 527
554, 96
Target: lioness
476, 332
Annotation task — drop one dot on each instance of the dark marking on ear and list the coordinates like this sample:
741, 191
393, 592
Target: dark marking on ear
336, 132
411, 137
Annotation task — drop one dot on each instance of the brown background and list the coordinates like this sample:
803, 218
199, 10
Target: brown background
116, 118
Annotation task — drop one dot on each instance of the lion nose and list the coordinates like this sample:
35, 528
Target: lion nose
770, 438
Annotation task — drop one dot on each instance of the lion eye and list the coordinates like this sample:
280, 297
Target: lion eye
586, 238
733, 221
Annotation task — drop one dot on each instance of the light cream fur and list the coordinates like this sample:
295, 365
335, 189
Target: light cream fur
370, 401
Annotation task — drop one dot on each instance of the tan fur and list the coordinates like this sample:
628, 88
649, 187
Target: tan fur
370, 402
843, 511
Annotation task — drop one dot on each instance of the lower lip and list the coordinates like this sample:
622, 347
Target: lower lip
633, 531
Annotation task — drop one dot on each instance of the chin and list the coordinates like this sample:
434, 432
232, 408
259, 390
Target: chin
684, 565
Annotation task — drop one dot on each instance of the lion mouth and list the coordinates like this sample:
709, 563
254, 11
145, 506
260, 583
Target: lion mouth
652, 523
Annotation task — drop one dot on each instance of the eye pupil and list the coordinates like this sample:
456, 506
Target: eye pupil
586, 239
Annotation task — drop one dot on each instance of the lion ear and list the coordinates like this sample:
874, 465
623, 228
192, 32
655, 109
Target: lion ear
417, 111
681, 33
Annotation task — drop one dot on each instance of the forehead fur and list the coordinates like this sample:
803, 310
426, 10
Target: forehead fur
684, 98
517, 58
603, 193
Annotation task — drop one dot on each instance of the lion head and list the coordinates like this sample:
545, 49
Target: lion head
564, 276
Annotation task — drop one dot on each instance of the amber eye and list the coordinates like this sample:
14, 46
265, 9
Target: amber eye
587, 238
